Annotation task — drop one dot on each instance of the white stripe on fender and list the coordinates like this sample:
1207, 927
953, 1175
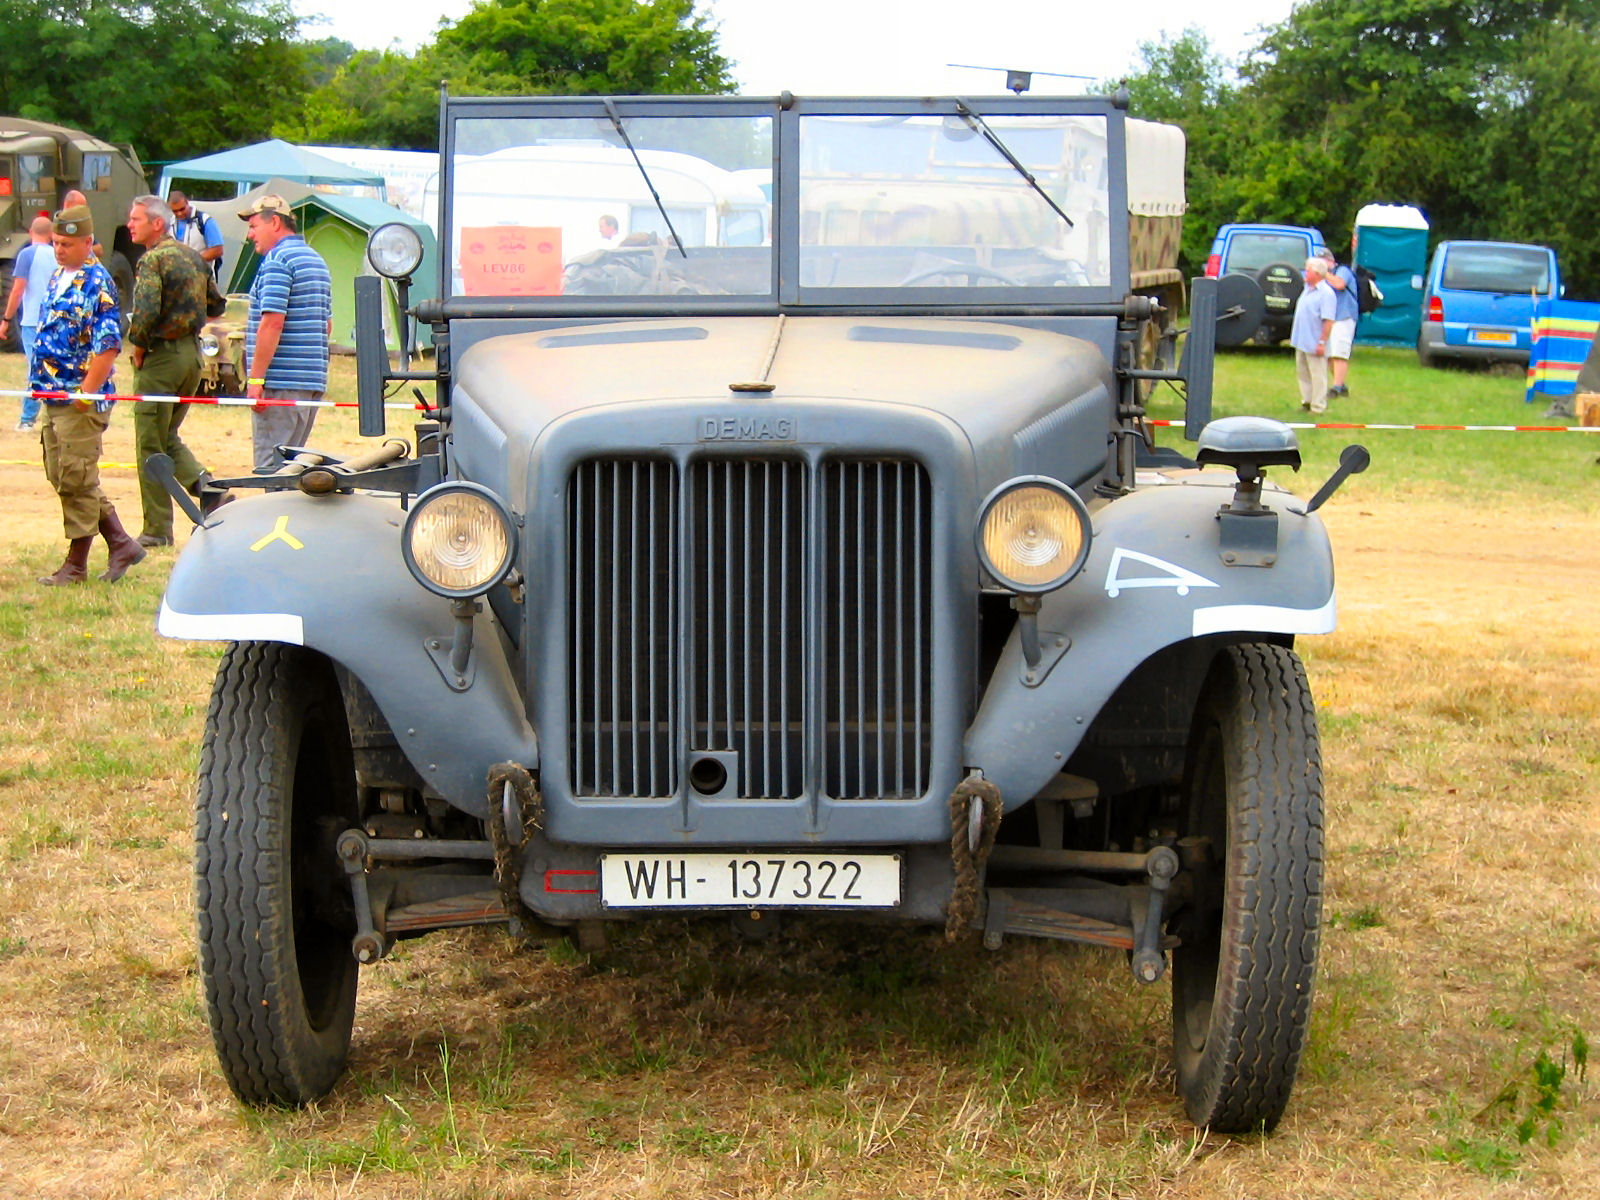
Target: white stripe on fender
1265, 618
231, 627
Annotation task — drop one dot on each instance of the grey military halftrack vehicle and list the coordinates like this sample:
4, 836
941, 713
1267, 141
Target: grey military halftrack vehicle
786, 538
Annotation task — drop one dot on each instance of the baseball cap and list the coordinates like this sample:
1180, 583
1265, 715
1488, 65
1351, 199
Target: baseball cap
270, 203
75, 221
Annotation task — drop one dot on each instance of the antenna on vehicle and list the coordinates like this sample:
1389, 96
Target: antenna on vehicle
1018, 81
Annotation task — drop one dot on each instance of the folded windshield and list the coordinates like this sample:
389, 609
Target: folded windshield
861, 206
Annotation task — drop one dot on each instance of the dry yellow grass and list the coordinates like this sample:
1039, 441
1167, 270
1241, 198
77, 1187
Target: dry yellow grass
1461, 711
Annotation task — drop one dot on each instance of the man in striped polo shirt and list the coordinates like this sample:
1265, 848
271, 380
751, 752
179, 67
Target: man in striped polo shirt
291, 318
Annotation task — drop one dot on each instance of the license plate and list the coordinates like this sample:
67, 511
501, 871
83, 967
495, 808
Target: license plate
1501, 337
711, 880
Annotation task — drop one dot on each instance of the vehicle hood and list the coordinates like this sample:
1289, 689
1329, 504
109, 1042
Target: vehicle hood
994, 381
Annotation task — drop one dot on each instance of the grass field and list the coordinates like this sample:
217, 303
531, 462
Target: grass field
1458, 994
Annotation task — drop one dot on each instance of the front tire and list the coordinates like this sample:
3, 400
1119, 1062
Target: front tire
276, 789
1242, 979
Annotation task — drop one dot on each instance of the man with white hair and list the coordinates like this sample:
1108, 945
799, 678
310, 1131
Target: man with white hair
1313, 327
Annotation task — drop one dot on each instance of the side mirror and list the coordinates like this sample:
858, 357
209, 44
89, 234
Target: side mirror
1199, 356
372, 354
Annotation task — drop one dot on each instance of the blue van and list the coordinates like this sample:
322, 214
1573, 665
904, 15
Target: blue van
1478, 303
1273, 256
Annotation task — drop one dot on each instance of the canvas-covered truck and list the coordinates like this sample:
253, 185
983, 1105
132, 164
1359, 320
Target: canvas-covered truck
835, 575
1156, 204
40, 163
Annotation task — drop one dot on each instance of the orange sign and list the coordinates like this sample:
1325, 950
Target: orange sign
511, 260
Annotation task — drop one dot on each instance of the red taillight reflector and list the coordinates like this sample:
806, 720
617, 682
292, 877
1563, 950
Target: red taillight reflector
1214, 266
1436, 309
5, 187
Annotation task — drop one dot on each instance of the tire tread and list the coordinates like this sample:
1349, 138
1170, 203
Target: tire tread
1266, 976
243, 896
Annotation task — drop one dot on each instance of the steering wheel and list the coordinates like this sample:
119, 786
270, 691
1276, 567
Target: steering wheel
972, 271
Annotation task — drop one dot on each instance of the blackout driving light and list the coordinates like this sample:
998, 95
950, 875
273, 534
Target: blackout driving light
458, 540
1033, 534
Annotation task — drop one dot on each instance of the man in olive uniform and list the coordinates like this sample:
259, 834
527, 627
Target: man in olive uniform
173, 292
75, 351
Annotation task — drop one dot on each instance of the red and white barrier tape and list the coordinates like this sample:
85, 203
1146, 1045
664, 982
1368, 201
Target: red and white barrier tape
222, 401
1422, 428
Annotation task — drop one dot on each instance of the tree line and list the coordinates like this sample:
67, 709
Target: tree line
183, 78
1483, 113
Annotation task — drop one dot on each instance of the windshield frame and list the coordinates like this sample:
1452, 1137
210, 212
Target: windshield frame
787, 292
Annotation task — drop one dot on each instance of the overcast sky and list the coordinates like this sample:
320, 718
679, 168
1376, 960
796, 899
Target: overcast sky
884, 47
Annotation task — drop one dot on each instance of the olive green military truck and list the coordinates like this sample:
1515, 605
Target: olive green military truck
40, 163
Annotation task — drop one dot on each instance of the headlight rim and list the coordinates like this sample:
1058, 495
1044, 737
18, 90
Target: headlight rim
1073, 500
434, 495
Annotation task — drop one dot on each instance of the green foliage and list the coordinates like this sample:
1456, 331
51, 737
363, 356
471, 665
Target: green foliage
324, 57
1486, 113
1547, 1077
1542, 147
174, 79
1527, 1109
516, 47
1396, 90
385, 99
587, 47
1367, 917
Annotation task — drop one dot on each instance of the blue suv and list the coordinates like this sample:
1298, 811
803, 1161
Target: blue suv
1274, 256
1479, 300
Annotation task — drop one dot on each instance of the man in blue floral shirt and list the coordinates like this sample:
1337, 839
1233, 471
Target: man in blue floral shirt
75, 351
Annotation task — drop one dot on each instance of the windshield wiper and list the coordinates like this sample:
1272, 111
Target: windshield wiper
616, 123
977, 124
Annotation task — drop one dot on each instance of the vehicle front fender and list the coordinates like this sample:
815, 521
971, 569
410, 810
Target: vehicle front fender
1154, 577
326, 572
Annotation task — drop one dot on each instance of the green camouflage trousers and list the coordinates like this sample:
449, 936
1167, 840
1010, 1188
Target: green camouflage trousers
72, 440
169, 369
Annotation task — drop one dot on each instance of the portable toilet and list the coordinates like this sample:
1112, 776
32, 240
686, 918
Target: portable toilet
1391, 241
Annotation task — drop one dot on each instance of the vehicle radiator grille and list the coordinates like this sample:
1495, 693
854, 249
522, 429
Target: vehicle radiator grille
803, 644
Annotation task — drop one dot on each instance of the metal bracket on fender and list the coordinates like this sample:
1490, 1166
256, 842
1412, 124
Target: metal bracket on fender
1249, 538
1053, 648
440, 654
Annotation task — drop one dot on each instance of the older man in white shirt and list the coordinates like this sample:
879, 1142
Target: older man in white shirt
1313, 326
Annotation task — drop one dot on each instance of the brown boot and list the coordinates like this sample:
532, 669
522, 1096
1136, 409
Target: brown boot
124, 550
76, 567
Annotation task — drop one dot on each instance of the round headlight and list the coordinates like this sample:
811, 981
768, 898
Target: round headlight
394, 250
209, 346
458, 540
1033, 534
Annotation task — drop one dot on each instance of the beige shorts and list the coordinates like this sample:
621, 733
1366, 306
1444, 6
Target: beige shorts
1342, 338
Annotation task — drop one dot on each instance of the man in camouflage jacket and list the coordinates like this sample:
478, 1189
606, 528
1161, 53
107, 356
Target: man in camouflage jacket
173, 293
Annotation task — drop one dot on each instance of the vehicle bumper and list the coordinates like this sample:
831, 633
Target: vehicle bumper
1437, 341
